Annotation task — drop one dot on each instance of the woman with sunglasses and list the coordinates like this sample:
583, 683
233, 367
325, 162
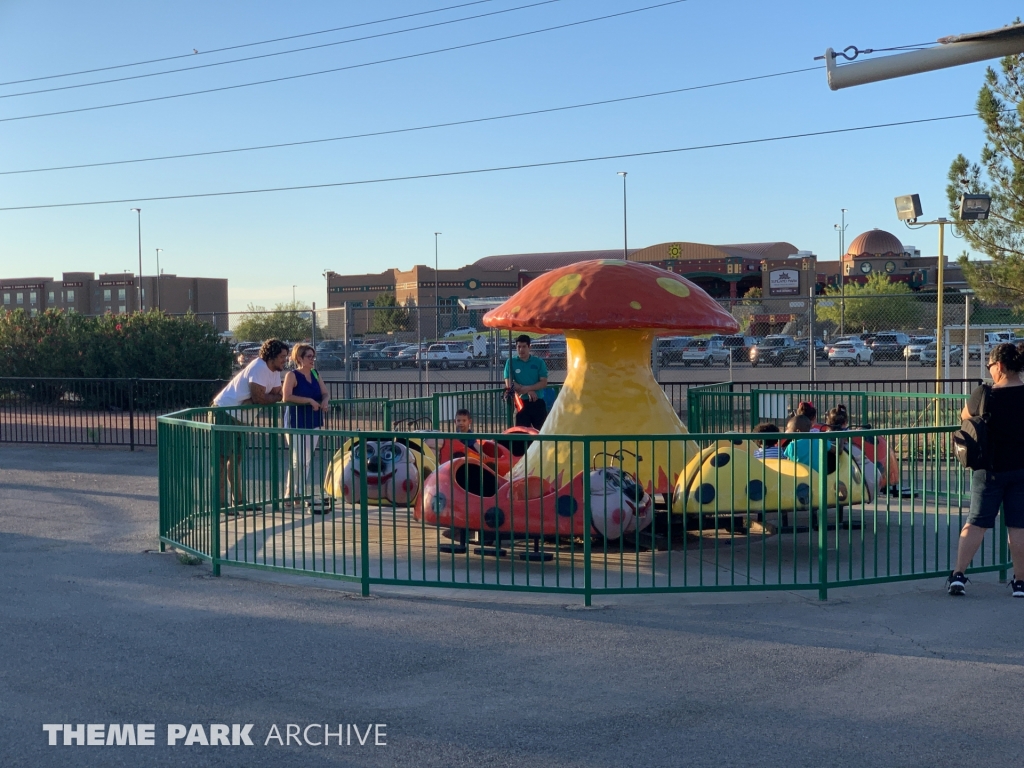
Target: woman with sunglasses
309, 400
1002, 483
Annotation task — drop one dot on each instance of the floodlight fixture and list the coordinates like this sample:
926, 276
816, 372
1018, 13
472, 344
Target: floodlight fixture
975, 207
908, 208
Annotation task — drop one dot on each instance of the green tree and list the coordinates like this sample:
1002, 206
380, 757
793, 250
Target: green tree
389, 315
999, 174
291, 321
877, 305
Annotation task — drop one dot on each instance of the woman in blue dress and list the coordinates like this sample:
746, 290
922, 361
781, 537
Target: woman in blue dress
309, 400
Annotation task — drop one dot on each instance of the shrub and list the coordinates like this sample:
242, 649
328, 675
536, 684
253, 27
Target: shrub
143, 345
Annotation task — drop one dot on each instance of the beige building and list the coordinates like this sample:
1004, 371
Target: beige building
117, 293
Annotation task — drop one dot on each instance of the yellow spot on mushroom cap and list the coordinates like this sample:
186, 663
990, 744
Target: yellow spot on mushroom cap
635, 304
674, 287
516, 309
565, 285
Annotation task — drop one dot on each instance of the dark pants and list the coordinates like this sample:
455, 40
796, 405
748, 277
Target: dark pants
533, 414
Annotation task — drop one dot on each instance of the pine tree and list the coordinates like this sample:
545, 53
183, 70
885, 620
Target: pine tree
999, 173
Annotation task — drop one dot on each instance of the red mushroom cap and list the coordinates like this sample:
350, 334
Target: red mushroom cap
609, 294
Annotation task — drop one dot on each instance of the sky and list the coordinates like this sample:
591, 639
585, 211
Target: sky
267, 243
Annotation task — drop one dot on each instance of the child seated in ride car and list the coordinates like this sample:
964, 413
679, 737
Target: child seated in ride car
802, 451
768, 448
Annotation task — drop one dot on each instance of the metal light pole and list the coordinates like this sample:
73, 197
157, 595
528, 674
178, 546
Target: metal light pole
158, 277
842, 272
625, 238
139, 212
293, 297
437, 295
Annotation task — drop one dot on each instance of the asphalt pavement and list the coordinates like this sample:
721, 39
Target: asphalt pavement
97, 628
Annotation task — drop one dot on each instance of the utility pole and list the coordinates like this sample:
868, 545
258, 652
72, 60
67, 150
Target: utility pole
158, 278
437, 295
842, 272
625, 238
139, 212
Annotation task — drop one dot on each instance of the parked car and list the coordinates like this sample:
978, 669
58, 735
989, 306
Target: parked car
670, 349
371, 360
246, 354
551, 349
995, 338
820, 350
465, 330
706, 352
739, 346
410, 356
851, 352
445, 356
956, 354
889, 345
392, 350
913, 349
777, 350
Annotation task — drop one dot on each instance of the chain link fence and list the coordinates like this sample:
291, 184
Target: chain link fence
896, 333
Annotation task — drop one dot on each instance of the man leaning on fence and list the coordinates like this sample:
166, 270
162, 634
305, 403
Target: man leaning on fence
259, 383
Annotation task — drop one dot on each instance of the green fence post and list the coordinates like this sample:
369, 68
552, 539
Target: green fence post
823, 517
387, 415
274, 438
435, 411
586, 524
755, 408
215, 499
163, 479
1002, 549
364, 520
692, 411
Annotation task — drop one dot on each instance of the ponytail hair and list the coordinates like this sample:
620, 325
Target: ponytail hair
1011, 356
838, 417
807, 409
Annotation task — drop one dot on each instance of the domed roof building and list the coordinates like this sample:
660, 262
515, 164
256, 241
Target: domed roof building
876, 243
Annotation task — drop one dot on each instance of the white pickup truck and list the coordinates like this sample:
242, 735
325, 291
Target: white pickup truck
445, 356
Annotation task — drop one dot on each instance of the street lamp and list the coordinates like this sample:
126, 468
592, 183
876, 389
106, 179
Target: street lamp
158, 278
842, 267
908, 210
437, 295
139, 212
293, 297
625, 239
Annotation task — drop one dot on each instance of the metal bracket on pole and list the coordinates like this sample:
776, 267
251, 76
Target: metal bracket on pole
951, 52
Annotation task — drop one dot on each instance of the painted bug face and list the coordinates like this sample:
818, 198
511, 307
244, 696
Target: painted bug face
383, 456
612, 481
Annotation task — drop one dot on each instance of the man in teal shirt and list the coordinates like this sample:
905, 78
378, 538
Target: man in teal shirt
527, 376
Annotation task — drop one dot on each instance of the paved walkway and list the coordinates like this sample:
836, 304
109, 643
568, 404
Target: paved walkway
97, 630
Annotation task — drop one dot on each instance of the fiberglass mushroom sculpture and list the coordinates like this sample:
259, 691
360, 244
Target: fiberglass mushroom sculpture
610, 312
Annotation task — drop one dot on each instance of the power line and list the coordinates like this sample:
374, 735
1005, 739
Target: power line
392, 131
496, 169
127, 78
348, 67
243, 45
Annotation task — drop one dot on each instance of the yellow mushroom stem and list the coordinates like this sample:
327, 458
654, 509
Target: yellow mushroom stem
609, 389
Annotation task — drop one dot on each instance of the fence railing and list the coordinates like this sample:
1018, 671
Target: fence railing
581, 515
123, 412
720, 407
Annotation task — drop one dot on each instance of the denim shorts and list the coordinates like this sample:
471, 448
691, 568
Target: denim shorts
990, 490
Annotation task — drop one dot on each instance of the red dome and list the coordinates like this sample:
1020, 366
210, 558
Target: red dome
875, 242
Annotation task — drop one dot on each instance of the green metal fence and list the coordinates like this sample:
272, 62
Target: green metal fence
719, 408
383, 507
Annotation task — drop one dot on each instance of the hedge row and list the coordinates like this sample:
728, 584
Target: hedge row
143, 345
